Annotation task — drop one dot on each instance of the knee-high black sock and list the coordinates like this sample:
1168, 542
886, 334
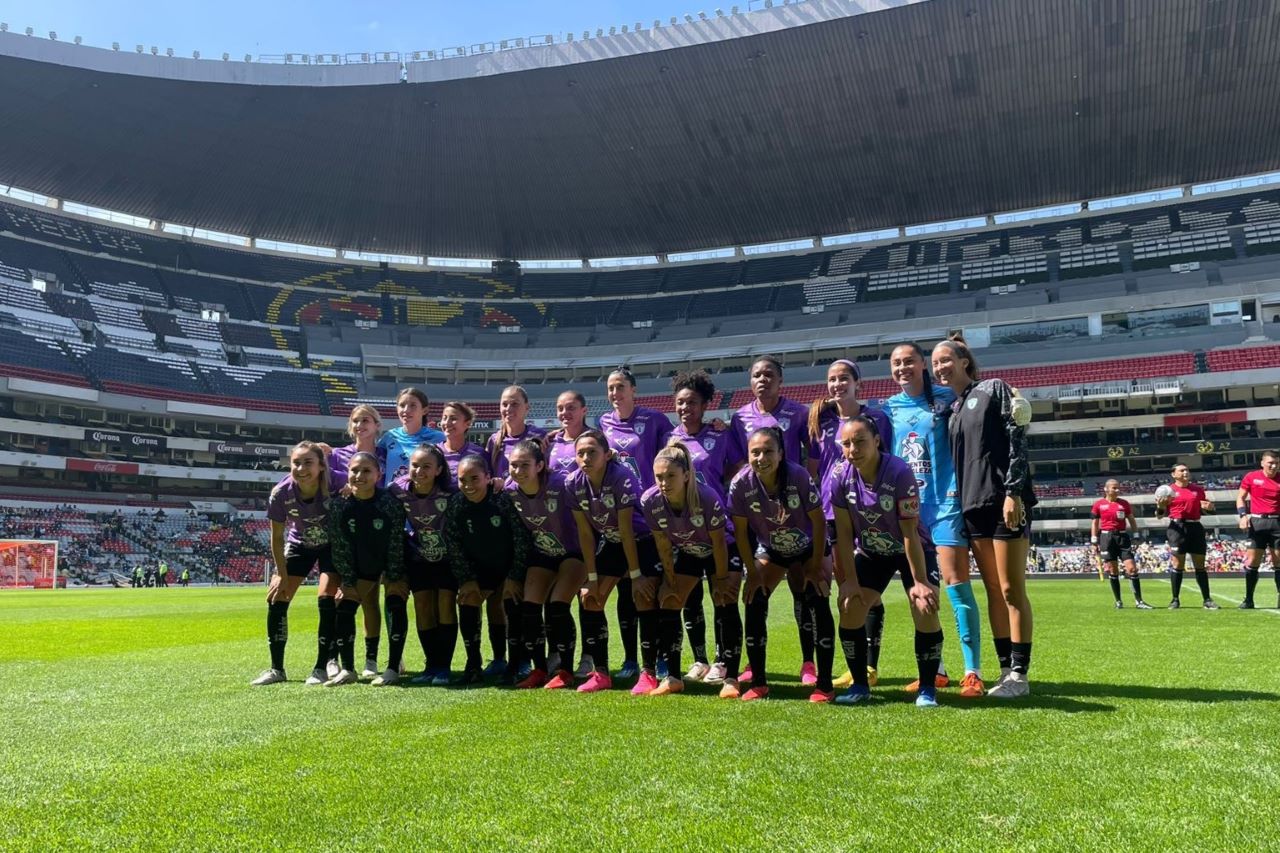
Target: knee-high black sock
1114, 580
804, 626
729, 638
1176, 583
757, 629
1004, 651
1275, 576
627, 622
427, 639
650, 642
582, 622
1136, 583
325, 630
498, 643
824, 637
1250, 584
469, 629
446, 643
534, 631
1202, 581
278, 631
563, 634
853, 642
928, 656
397, 628
875, 631
371, 648
515, 635
595, 638
670, 639
695, 623
344, 628
1021, 657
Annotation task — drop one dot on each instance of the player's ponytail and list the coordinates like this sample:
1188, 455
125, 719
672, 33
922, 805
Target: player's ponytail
677, 453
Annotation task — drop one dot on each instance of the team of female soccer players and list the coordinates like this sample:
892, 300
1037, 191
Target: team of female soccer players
837, 495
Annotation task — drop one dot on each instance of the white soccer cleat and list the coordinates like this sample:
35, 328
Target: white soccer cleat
715, 673
271, 676
344, 676
391, 676
586, 666
370, 669
317, 676
1013, 687
698, 671
331, 669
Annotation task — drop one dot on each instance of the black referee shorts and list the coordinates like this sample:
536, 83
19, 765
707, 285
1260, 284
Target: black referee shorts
1186, 537
1115, 545
1264, 532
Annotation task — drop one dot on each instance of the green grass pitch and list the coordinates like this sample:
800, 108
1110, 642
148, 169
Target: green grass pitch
129, 723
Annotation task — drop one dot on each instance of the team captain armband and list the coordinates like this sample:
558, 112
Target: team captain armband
909, 507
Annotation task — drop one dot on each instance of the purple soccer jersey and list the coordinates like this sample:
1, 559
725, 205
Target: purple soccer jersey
306, 522
826, 449
637, 439
619, 490
453, 457
714, 452
561, 457
425, 515
548, 515
877, 508
689, 532
340, 458
781, 524
509, 444
789, 416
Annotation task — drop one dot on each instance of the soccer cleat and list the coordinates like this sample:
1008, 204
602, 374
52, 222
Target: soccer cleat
331, 669
926, 700
1142, 605
596, 682
586, 666
423, 678
667, 686
1246, 605
1013, 687
442, 678
344, 676
855, 695
470, 677
715, 674
495, 669
1210, 604
821, 697
630, 669
843, 681
1119, 605
698, 671
972, 687
388, 678
644, 683
808, 674
759, 691
535, 678
1175, 604
317, 676
729, 690
746, 676
660, 669
271, 676
370, 670
553, 662
873, 676
561, 680
939, 682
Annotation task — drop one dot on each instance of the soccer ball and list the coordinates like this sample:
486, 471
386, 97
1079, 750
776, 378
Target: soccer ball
1163, 493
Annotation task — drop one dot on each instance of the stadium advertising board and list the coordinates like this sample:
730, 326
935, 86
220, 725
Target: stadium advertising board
232, 448
99, 466
126, 440
1200, 447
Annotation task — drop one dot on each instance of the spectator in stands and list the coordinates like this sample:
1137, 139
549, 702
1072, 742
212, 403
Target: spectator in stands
1258, 505
455, 420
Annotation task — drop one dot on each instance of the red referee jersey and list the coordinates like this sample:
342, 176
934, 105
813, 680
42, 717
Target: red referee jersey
1263, 492
1185, 505
1112, 516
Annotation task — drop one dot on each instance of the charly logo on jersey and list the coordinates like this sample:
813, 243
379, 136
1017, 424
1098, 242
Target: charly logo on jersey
294, 512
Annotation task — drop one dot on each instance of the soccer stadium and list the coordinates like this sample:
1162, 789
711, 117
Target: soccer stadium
214, 269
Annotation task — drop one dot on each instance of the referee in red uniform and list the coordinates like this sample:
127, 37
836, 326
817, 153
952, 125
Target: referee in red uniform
1261, 521
1183, 502
1113, 529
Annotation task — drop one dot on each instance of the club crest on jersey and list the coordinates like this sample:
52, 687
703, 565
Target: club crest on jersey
608, 501
441, 503
495, 520
552, 504
972, 403
784, 424
793, 501
709, 443
886, 503
640, 427
697, 520
377, 524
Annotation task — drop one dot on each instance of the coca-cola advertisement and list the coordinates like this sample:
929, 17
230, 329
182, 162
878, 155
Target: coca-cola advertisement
99, 466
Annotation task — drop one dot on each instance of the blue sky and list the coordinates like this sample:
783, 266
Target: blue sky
326, 26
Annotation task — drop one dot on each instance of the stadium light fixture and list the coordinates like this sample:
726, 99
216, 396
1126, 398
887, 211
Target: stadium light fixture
53, 36
225, 56
139, 48
613, 31
155, 51
657, 24
702, 16
599, 32
719, 13
168, 51
78, 40
4, 28
195, 54
30, 31
248, 57
115, 45
673, 21
688, 19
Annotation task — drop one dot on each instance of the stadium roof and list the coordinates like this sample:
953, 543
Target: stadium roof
926, 112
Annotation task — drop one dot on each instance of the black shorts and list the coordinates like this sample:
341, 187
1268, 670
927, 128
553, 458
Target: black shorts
1186, 537
876, 572
298, 562
699, 567
987, 522
424, 575
611, 559
550, 563
1115, 545
1264, 532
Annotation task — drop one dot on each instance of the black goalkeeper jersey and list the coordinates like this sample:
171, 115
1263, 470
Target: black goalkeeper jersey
989, 450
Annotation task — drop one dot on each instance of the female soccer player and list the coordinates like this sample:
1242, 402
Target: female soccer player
776, 500
366, 534
1184, 502
993, 477
919, 413
770, 408
1260, 519
489, 553
298, 510
455, 420
825, 416
605, 499
635, 433
364, 427
425, 495
690, 530
1111, 535
571, 411
513, 408
877, 506
556, 571
716, 458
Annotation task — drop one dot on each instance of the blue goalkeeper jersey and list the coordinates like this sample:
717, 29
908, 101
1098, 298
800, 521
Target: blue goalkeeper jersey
920, 438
